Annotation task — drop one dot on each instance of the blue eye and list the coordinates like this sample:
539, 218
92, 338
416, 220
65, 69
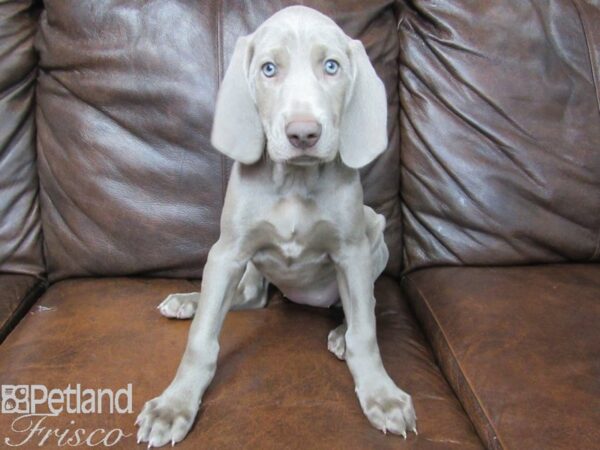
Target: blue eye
331, 66
269, 69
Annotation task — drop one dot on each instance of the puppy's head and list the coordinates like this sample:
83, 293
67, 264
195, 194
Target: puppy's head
302, 89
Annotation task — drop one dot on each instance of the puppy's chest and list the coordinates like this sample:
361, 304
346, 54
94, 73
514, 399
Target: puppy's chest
295, 230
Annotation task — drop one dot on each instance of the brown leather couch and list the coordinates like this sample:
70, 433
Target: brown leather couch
110, 196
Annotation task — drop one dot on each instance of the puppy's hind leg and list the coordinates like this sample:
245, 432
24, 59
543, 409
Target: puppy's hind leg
251, 293
386, 406
336, 340
379, 251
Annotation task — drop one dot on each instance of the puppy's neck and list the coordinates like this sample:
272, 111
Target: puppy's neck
290, 178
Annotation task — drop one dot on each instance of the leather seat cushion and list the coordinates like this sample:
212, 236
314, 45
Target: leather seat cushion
276, 384
521, 347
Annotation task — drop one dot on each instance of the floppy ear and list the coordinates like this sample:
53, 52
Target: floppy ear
363, 127
237, 130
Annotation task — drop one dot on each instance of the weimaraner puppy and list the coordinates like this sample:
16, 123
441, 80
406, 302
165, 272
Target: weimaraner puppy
300, 109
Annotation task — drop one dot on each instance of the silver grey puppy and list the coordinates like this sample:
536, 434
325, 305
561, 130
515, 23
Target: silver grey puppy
293, 214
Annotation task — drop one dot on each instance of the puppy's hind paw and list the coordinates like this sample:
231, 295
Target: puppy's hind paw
336, 341
179, 306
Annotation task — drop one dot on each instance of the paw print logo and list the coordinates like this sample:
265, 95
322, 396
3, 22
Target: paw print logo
14, 399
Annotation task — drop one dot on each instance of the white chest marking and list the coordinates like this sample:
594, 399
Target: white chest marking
291, 249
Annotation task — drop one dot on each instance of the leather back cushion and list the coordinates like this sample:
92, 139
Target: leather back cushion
500, 131
129, 181
20, 229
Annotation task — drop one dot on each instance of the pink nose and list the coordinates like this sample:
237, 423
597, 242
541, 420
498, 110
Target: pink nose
303, 133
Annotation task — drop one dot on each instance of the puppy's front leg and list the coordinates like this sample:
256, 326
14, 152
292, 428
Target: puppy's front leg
387, 407
169, 417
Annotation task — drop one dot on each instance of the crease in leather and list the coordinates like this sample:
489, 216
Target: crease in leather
427, 226
447, 64
431, 150
57, 274
83, 211
453, 177
468, 50
29, 227
20, 85
496, 443
465, 227
98, 108
65, 195
468, 228
495, 141
23, 120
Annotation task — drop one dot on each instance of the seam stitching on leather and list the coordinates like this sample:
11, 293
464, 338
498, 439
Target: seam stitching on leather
596, 81
584, 27
38, 192
399, 19
462, 372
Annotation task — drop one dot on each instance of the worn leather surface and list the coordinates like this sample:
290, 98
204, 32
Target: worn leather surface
17, 293
129, 181
521, 347
276, 384
500, 131
20, 229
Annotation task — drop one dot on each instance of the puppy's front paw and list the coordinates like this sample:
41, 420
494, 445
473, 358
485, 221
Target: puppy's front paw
179, 306
165, 419
388, 408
